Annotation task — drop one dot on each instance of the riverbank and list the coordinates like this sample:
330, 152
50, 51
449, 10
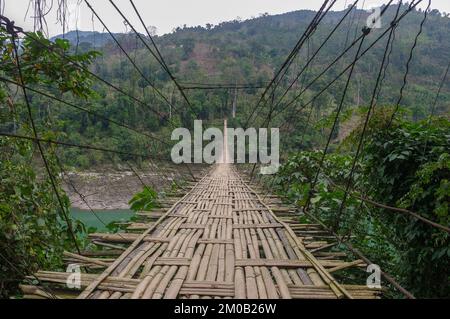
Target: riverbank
108, 190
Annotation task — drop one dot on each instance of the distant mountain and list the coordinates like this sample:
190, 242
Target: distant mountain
251, 51
94, 38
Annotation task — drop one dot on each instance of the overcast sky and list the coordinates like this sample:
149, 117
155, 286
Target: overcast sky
165, 15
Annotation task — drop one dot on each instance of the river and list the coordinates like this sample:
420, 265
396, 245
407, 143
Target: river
101, 217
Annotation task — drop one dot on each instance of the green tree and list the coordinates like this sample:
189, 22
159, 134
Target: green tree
33, 229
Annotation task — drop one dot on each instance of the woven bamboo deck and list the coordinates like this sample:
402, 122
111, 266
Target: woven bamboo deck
220, 240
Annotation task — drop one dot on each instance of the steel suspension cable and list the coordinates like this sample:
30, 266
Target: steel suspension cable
334, 62
411, 7
313, 27
361, 140
80, 146
85, 69
286, 62
339, 109
310, 33
336, 119
11, 30
400, 98
161, 60
52, 97
138, 70
316, 52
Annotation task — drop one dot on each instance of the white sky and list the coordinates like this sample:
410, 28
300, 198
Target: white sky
168, 14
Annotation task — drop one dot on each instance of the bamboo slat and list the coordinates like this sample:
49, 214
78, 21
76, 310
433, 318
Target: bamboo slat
220, 240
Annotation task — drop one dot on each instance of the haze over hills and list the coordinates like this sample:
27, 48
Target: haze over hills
250, 50
373, 171
93, 38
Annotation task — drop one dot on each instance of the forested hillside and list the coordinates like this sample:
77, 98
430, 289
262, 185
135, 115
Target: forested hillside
374, 174
249, 52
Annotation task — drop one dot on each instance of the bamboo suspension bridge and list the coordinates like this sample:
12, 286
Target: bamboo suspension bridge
218, 237
219, 240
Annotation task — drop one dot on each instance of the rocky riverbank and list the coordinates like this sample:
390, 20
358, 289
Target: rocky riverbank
109, 189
